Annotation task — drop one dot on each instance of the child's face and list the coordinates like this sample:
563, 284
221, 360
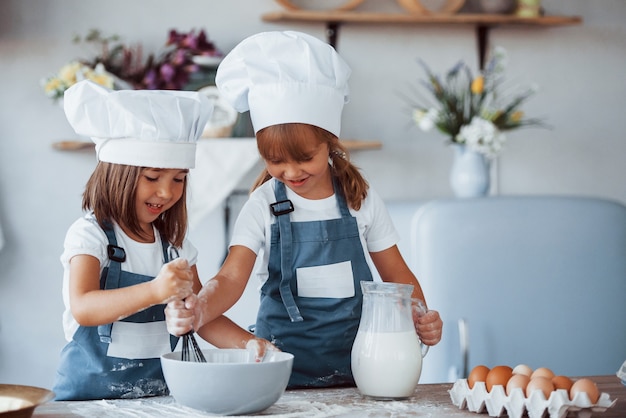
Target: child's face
157, 191
309, 176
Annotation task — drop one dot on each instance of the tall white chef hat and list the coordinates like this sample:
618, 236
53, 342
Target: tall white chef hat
145, 128
285, 77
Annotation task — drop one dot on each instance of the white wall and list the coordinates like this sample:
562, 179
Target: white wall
580, 70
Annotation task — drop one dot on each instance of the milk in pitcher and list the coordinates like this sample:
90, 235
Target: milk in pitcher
387, 365
387, 353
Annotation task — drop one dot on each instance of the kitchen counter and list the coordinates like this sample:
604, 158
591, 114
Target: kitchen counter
430, 400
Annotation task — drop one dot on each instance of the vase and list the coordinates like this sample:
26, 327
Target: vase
470, 172
528, 8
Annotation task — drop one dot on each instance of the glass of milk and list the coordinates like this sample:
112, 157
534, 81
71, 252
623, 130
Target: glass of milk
387, 353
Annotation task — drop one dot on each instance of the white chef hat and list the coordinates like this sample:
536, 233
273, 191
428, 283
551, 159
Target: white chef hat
145, 128
285, 77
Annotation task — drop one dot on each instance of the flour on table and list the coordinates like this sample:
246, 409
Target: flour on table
167, 407
339, 403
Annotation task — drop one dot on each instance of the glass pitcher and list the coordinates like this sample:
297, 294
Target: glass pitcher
387, 353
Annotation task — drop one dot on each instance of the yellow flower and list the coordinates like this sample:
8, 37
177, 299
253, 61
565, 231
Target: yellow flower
68, 72
478, 84
103, 79
517, 116
100, 76
52, 85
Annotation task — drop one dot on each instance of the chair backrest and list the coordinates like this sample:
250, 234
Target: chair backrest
538, 281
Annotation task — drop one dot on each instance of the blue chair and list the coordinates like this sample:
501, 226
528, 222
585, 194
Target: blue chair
523, 280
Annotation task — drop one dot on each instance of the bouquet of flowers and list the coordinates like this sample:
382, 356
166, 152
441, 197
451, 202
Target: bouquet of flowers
470, 109
119, 66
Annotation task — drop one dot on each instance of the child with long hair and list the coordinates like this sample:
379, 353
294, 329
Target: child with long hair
119, 271
312, 225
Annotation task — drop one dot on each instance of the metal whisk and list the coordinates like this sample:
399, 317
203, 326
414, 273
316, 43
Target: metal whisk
193, 353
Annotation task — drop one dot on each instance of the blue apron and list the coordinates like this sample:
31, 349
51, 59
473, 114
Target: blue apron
300, 311
86, 371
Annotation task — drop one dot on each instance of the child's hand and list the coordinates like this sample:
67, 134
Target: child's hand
179, 315
175, 281
429, 326
259, 347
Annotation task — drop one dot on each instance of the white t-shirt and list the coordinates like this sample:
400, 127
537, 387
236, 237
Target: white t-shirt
85, 237
253, 226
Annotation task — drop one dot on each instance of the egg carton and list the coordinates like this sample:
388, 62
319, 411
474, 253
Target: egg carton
497, 403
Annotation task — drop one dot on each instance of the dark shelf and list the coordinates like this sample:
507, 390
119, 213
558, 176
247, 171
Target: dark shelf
482, 22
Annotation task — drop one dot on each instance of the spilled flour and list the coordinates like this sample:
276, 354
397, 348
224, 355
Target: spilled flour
345, 403
167, 407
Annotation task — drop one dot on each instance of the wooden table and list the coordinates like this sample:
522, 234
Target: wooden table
430, 400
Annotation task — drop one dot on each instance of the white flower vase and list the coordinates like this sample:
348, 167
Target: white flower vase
470, 173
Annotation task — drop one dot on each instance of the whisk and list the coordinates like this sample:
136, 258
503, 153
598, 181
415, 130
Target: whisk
193, 353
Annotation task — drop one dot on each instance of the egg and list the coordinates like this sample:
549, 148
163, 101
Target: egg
522, 369
498, 375
541, 383
542, 371
587, 386
562, 382
517, 381
478, 374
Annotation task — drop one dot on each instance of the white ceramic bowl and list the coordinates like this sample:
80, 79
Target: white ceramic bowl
230, 382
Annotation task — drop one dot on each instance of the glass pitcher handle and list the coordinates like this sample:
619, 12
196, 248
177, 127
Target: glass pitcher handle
418, 309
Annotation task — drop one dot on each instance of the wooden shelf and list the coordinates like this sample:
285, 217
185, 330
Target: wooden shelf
350, 144
482, 22
73, 145
356, 145
430, 19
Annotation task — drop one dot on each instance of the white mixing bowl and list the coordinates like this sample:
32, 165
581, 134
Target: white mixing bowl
230, 382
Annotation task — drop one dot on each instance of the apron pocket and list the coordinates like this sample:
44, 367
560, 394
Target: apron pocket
132, 340
328, 281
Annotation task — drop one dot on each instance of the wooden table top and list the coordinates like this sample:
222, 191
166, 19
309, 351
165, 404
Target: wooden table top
430, 400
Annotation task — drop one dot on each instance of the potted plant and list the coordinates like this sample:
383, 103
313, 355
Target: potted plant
474, 114
119, 66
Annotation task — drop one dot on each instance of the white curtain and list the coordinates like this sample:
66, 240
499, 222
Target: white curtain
221, 163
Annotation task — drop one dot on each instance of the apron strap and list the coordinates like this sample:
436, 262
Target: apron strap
281, 210
111, 279
167, 257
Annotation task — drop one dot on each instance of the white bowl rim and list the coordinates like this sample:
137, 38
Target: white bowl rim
281, 356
